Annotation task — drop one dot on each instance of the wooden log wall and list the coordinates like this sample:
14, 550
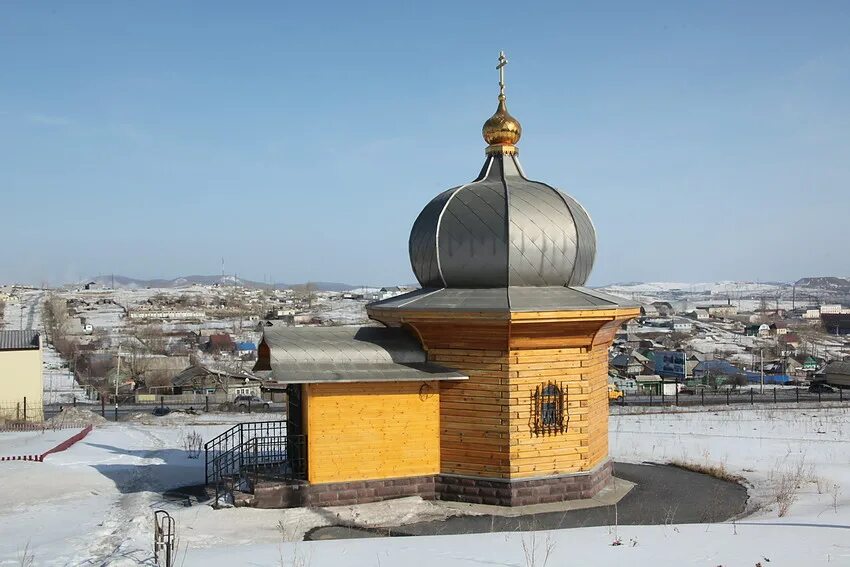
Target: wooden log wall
486, 422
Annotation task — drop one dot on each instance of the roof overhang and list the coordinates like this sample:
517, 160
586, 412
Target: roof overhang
305, 355
513, 299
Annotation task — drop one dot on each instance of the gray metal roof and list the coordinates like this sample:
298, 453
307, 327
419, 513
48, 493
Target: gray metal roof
515, 299
502, 230
349, 354
838, 368
19, 340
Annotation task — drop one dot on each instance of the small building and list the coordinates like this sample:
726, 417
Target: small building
488, 384
764, 331
811, 364
649, 384
790, 340
648, 310
838, 374
167, 314
779, 328
632, 364
681, 326
211, 379
721, 371
664, 308
394, 291
723, 311
701, 314
811, 314
21, 383
220, 343
246, 349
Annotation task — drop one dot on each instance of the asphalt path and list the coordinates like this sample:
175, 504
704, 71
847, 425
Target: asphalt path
663, 494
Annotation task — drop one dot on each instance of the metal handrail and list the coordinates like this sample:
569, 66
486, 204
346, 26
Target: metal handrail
254, 448
236, 437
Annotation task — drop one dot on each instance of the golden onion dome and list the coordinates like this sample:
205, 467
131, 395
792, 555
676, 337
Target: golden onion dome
502, 128
502, 131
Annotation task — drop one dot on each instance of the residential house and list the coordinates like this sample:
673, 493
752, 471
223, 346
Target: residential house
220, 343
649, 310
632, 364
21, 384
664, 308
723, 311
811, 364
246, 349
388, 292
701, 315
721, 370
212, 379
779, 328
790, 340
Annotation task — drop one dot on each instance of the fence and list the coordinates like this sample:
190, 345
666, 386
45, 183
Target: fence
182, 399
750, 396
24, 410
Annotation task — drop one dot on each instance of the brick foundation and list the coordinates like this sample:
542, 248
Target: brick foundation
290, 495
497, 492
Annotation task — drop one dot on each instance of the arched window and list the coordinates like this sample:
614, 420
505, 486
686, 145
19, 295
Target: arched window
548, 409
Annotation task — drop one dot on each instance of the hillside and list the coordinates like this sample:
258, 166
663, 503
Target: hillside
123, 282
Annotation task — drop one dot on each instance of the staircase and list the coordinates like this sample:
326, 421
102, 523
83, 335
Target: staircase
241, 456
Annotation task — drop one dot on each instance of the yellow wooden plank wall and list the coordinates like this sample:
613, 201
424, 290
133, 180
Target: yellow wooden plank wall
362, 431
474, 413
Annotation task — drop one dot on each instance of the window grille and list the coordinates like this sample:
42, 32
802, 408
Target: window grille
548, 411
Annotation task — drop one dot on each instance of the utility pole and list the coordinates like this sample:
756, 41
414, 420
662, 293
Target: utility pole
761, 391
117, 378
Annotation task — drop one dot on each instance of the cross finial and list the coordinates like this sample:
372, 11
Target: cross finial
501, 67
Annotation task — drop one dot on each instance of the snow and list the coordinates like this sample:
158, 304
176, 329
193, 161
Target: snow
33, 442
714, 288
93, 503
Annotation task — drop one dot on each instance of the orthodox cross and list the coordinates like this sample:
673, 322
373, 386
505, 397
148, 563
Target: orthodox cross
501, 67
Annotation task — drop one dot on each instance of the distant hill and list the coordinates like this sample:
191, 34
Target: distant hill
832, 283
123, 282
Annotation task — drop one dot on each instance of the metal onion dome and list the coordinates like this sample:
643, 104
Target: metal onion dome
502, 230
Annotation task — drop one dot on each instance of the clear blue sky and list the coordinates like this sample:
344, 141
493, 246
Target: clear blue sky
708, 140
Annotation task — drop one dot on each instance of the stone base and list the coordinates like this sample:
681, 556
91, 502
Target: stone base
471, 490
291, 495
500, 492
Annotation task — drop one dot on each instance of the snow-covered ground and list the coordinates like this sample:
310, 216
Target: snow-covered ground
713, 288
93, 503
33, 442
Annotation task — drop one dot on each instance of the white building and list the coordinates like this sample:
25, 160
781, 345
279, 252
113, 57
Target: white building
723, 311
701, 314
833, 309
166, 314
811, 314
682, 326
